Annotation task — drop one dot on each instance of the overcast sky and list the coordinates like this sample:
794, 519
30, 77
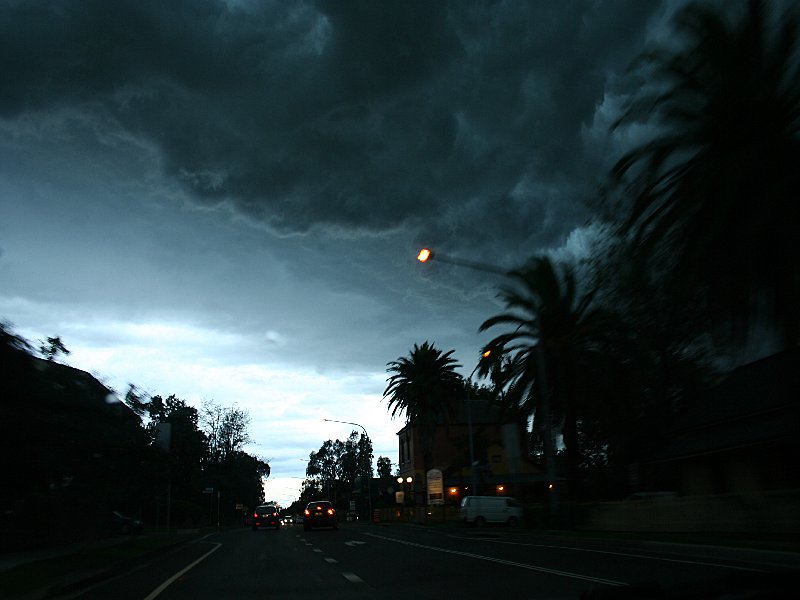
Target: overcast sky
223, 200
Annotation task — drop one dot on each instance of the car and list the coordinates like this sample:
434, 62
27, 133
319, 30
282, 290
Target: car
319, 514
266, 515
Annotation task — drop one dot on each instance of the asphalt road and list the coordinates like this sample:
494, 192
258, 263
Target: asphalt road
414, 563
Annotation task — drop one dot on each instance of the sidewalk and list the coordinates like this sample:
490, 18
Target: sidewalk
786, 544
717, 540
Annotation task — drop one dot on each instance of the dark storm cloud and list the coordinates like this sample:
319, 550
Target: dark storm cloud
461, 120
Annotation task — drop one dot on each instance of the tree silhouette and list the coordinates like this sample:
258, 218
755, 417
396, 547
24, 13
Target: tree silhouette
53, 348
426, 387
553, 334
384, 466
338, 465
713, 196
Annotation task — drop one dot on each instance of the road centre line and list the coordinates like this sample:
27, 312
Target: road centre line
351, 577
625, 554
180, 573
504, 562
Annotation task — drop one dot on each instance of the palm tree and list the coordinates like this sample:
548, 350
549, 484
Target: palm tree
714, 195
553, 332
426, 387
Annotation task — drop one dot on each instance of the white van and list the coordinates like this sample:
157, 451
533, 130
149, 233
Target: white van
479, 510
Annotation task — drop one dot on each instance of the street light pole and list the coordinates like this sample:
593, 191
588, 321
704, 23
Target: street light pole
469, 428
369, 475
426, 254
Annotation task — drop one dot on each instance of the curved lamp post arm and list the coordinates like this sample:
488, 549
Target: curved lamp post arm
369, 475
427, 254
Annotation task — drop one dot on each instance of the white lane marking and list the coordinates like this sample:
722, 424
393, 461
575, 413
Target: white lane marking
172, 579
331, 560
354, 543
317, 550
352, 578
504, 562
627, 555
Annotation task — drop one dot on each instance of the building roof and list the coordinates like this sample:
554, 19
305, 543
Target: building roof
483, 412
505, 479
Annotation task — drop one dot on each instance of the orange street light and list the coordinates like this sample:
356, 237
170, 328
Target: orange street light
426, 254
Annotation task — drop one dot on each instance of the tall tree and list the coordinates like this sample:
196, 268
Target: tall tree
384, 466
553, 334
237, 475
226, 429
338, 465
659, 352
364, 456
186, 451
66, 446
426, 387
714, 195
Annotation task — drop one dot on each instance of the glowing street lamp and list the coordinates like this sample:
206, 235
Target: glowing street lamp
405, 483
426, 254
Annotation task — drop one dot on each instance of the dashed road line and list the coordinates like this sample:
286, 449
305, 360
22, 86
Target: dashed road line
351, 577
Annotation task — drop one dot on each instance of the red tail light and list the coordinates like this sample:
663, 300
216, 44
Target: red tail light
306, 512
255, 515
330, 511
